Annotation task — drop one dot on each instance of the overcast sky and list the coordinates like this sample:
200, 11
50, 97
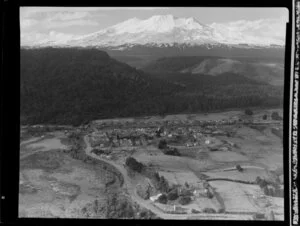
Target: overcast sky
39, 23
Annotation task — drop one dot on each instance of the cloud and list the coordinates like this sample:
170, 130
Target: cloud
26, 23
69, 15
134, 8
34, 38
51, 18
60, 37
33, 11
59, 20
59, 24
262, 29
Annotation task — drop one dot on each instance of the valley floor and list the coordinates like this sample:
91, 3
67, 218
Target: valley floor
82, 173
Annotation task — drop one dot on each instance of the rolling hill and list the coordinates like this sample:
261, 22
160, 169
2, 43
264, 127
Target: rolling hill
264, 70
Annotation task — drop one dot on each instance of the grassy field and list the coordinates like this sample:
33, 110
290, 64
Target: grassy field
52, 184
247, 198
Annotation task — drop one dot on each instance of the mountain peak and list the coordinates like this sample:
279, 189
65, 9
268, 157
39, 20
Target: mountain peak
169, 29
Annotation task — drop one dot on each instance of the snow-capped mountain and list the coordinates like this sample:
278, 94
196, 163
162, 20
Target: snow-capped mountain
162, 30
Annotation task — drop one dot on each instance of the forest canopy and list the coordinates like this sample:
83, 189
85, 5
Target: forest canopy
74, 86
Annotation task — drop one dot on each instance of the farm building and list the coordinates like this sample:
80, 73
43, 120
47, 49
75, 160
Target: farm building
155, 197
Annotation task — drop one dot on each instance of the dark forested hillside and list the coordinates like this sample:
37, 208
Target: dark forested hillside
77, 85
73, 86
227, 90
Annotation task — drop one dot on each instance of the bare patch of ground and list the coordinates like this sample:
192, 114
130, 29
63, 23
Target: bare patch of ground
52, 184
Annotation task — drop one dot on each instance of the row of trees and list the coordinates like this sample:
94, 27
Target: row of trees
274, 116
166, 149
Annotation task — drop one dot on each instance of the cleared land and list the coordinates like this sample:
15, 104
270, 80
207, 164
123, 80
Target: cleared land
60, 188
52, 184
61, 175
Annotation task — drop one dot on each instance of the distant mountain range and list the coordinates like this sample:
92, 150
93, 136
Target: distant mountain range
167, 30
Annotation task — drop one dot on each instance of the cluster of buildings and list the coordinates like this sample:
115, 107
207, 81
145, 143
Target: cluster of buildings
197, 136
189, 136
122, 137
167, 123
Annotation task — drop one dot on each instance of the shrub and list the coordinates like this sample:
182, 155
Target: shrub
221, 210
163, 199
171, 151
118, 207
209, 210
266, 190
160, 182
248, 112
275, 116
206, 184
239, 168
172, 195
258, 180
265, 117
210, 195
157, 133
186, 192
184, 200
134, 165
195, 211
147, 214
259, 216
262, 183
163, 184
143, 214
271, 192
186, 184
162, 144
156, 176
97, 151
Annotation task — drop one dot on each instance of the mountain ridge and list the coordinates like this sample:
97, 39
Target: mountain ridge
166, 29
